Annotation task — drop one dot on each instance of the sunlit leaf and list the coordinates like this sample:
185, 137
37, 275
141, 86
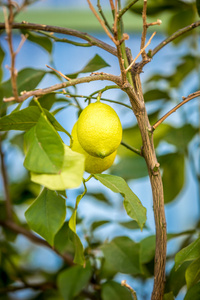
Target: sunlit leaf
94, 64
168, 296
123, 254
42, 41
132, 204
193, 293
44, 148
70, 176
42, 216
113, 290
72, 280
188, 253
192, 274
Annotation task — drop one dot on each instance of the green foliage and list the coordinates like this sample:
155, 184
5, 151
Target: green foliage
52, 168
42, 216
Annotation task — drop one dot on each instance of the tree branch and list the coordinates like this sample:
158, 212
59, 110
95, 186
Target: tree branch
40, 286
35, 239
173, 37
144, 31
40, 92
126, 8
185, 100
87, 37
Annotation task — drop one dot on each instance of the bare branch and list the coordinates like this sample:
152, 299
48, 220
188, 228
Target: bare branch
60, 73
185, 100
158, 22
136, 151
141, 51
144, 31
40, 92
173, 37
133, 292
35, 239
100, 21
126, 8
8, 26
103, 16
87, 37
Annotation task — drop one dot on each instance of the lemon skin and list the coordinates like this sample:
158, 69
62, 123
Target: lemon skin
93, 164
99, 129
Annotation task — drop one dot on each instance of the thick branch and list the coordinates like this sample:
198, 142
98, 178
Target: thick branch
173, 37
40, 92
84, 36
35, 239
185, 100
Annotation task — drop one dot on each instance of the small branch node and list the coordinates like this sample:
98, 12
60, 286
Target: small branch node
133, 292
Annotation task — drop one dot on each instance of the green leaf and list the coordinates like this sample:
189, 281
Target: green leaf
42, 41
113, 290
192, 274
20, 120
97, 224
158, 6
123, 254
147, 249
173, 166
182, 18
70, 176
193, 293
45, 149
133, 167
132, 204
62, 240
72, 280
94, 64
198, 6
169, 296
130, 224
188, 253
180, 137
46, 215
79, 250
27, 79
156, 94
46, 101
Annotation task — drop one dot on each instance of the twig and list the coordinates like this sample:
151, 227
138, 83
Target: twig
40, 286
158, 22
87, 37
131, 148
185, 100
103, 16
173, 37
144, 31
5, 185
126, 8
35, 239
40, 92
101, 22
60, 73
112, 8
141, 51
123, 283
8, 26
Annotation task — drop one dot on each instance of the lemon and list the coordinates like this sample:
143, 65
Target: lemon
99, 129
92, 164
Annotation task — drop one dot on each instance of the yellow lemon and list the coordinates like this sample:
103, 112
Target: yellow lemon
93, 164
99, 129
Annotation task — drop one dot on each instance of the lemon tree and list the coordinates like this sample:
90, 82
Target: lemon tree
95, 227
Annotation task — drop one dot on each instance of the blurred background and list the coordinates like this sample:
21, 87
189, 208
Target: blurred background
172, 73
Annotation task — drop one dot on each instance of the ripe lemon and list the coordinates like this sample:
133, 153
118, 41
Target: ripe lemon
99, 129
92, 164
